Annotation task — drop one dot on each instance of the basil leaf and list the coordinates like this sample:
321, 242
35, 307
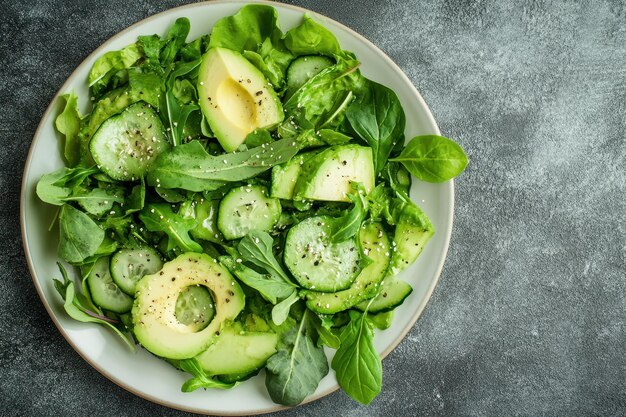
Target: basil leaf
295, 371
280, 312
256, 248
433, 158
348, 225
356, 363
190, 167
161, 218
270, 287
200, 378
378, 118
80, 236
311, 38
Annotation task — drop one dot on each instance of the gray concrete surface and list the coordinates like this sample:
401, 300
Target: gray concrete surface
529, 316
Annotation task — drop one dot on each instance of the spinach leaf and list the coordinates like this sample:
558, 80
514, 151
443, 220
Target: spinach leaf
433, 158
311, 38
51, 189
270, 287
107, 65
160, 218
68, 124
79, 307
280, 312
190, 167
325, 333
256, 248
174, 40
295, 371
200, 378
254, 32
80, 237
378, 118
348, 225
356, 363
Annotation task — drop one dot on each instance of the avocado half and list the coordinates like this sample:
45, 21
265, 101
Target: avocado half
154, 310
235, 97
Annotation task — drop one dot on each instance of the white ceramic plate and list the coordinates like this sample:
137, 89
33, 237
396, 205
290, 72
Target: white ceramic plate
144, 374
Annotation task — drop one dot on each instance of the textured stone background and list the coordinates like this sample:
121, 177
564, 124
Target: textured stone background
528, 318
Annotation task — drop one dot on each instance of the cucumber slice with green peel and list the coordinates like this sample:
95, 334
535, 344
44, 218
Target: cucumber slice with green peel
315, 262
128, 266
206, 214
393, 292
413, 231
104, 292
247, 208
195, 307
237, 352
304, 68
125, 145
328, 175
375, 244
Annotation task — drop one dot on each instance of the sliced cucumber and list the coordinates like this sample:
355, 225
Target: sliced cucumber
247, 208
205, 212
413, 231
195, 307
126, 144
328, 175
104, 292
128, 266
375, 244
237, 352
393, 292
315, 262
304, 68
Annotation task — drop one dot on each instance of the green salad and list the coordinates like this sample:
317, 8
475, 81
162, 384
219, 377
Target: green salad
240, 202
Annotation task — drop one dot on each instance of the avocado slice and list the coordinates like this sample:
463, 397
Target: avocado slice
235, 97
328, 175
235, 351
154, 311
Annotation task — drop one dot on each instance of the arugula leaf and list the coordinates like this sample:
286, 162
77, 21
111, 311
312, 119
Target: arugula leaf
280, 312
380, 204
68, 124
97, 201
311, 38
356, 363
256, 248
398, 178
348, 225
77, 309
177, 114
145, 85
433, 158
80, 237
190, 167
200, 378
294, 372
271, 288
254, 32
194, 50
378, 118
160, 218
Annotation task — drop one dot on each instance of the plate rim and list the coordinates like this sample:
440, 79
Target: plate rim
101, 48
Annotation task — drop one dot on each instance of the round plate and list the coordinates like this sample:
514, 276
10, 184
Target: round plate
144, 374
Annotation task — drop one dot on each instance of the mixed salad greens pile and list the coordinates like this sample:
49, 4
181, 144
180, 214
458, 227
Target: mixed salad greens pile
240, 201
